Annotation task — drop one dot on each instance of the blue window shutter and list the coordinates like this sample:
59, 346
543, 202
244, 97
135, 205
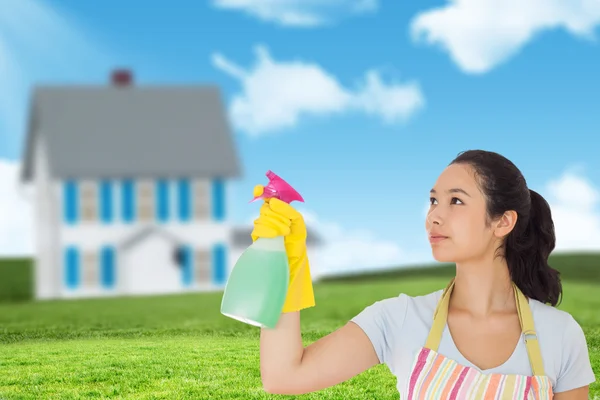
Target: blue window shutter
106, 201
219, 264
162, 200
188, 265
72, 265
218, 199
70, 203
107, 265
184, 199
128, 200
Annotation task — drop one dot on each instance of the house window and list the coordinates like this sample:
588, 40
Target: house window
107, 266
184, 199
162, 200
127, 200
201, 200
219, 261
89, 201
90, 269
106, 201
202, 267
70, 202
146, 204
71, 260
187, 261
218, 200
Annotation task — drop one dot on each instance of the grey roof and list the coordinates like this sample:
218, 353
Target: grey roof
242, 237
136, 131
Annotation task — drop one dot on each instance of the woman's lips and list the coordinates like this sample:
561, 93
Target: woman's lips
437, 238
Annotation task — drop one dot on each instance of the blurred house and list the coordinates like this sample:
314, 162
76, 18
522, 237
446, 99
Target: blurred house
130, 188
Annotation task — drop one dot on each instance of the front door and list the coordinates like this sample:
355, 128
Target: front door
151, 267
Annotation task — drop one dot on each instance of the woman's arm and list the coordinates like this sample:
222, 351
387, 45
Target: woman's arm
289, 368
581, 393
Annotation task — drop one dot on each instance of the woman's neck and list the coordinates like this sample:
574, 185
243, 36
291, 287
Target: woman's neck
482, 288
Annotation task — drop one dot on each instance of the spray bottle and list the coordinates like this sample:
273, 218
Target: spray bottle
257, 286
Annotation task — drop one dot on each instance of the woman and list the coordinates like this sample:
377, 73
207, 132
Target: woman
493, 332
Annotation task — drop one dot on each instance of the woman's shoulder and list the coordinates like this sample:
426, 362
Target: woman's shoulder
407, 304
546, 316
556, 328
426, 299
564, 346
385, 321
560, 335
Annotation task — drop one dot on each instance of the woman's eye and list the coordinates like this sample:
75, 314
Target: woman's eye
453, 201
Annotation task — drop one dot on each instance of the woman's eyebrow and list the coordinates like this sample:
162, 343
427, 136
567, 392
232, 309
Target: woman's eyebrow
453, 190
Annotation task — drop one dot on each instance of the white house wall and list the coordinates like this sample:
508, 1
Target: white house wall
47, 277
90, 236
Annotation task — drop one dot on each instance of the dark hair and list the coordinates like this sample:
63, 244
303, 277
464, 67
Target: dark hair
527, 247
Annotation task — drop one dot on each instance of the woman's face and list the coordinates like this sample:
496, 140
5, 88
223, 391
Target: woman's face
456, 221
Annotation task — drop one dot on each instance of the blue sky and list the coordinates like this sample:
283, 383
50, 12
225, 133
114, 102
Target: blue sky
359, 104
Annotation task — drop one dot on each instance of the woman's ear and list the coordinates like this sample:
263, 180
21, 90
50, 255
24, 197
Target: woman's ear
506, 224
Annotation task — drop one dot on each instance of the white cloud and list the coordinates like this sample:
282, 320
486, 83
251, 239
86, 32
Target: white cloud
38, 44
481, 34
276, 94
299, 13
347, 251
575, 205
16, 223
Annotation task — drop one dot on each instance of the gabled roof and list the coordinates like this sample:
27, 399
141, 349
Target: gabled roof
131, 131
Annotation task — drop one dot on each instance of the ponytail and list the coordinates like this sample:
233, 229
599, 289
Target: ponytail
529, 244
527, 250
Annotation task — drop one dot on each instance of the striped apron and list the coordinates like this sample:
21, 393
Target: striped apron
434, 376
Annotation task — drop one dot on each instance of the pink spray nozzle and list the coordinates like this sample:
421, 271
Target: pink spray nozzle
278, 188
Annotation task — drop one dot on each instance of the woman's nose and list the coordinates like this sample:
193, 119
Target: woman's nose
434, 217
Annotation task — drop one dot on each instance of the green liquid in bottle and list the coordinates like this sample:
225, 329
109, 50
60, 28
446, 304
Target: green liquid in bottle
258, 284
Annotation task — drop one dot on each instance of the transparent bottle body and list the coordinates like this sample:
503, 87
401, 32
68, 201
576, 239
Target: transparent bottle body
257, 286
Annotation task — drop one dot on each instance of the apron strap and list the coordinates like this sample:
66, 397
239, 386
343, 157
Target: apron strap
529, 333
440, 318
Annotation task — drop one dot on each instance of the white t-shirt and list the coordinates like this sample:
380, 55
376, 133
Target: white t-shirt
398, 327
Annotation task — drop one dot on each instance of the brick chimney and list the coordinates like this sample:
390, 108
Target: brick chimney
121, 77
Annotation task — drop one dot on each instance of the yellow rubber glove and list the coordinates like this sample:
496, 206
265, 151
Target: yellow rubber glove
277, 218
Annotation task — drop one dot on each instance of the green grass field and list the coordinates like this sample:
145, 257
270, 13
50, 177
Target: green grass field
180, 347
